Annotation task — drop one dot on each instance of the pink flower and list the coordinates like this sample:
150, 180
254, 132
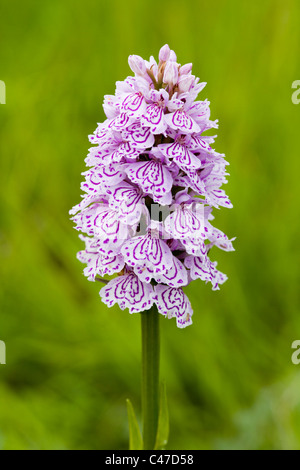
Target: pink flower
149, 193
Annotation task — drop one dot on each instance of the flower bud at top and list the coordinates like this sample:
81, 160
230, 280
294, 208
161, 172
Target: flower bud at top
164, 53
185, 83
171, 73
137, 64
185, 69
173, 56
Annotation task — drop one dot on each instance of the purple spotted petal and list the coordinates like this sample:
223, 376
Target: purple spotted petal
206, 271
181, 121
116, 152
176, 276
100, 264
152, 177
96, 245
138, 136
100, 221
200, 143
195, 246
200, 112
86, 201
98, 179
134, 105
219, 239
173, 302
128, 292
218, 197
128, 153
149, 252
183, 157
101, 134
195, 182
124, 153
174, 104
144, 273
154, 118
182, 180
102, 156
183, 322
122, 121
187, 221
127, 201
198, 268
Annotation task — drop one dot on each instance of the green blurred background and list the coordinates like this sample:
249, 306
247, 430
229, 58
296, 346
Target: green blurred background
72, 362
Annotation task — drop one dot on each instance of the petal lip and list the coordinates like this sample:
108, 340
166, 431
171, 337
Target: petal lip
148, 252
173, 302
134, 105
180, 120
128, 292
151, 176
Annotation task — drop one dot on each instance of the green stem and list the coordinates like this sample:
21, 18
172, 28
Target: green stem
150, 375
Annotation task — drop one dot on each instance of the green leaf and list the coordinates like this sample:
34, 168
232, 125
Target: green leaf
135, 437
162, 435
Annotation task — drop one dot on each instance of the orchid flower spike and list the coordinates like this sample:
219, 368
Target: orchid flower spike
152, 183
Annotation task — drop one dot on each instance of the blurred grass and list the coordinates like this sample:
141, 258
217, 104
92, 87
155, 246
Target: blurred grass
71, 362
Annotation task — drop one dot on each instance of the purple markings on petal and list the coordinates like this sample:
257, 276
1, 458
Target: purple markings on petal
183, 157
101, 156
176, 276
173, 302
128, 202
100, 220
154, 118
218, 238
120, 122
187, 221
125, 153
100, 264
198, 143
195, 246
152, 177
206, 271
195, 182
134, 105
128, 292
97, 179
182, 121
148, 252
145, 274
86, 201
200, 112
138, 136
218, 197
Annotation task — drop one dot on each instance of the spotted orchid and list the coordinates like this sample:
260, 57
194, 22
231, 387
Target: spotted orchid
152, 183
